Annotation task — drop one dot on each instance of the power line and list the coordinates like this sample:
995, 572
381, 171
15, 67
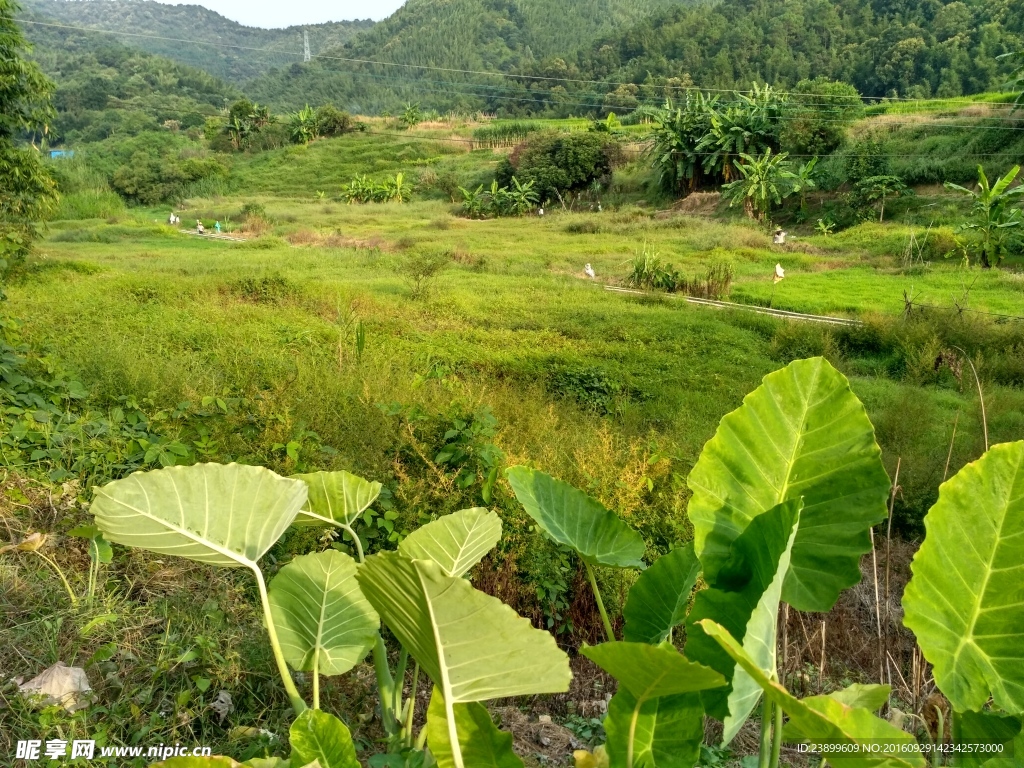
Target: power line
546, 78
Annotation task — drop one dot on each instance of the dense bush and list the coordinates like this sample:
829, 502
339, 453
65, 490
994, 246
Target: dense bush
820, 112
558, 163
151, 180
331, 121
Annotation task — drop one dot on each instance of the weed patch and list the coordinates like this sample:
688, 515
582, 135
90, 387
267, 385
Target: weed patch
269, 289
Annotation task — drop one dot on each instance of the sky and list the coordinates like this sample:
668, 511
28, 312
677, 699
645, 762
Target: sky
271, 13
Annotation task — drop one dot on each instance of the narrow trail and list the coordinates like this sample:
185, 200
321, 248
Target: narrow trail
828, 319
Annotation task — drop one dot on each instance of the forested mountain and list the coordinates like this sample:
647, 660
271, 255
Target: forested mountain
105, 88
575, 56
491, 35
141, 18
905, 48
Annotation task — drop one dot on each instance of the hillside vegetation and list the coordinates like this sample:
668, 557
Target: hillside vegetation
913, 49
909, 49
546, 54
481, 35
145, 22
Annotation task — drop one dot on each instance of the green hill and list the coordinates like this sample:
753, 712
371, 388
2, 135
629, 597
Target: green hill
105, 89
909, 48
147, 21
491, 35
578, 57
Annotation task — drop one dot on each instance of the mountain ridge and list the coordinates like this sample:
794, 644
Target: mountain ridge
223, 51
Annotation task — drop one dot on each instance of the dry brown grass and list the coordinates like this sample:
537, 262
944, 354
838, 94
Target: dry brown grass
335, 239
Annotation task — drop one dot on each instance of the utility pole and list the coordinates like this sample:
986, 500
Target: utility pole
305, 46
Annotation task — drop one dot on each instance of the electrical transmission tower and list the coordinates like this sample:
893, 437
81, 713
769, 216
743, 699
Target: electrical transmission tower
305, 47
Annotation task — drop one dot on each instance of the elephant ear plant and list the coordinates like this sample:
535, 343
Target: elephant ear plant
323, 610
965, 601
223, 515
783, 499
577, 521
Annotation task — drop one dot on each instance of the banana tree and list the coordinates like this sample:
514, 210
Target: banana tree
995, 220
763, 182
304, 125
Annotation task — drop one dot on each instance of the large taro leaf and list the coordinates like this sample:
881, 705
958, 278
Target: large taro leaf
481, 743
657, 602
802, 433
965, 600
649, 671
572, 518
335, 498
863, 696
824, 720
222, 514
667, 732
455, 542
317, 735
323, 621
473, 646
990, 740
227, 762
656, 703
745, 600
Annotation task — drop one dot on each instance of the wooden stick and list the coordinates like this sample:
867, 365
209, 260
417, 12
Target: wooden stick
878, 608
888, 557
821, 667
952, 440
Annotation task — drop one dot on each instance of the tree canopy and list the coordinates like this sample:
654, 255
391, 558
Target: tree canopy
26, 189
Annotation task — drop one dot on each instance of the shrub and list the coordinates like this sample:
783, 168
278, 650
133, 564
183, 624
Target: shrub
822, 109
331, 121
558, 163
270, 289
89, 204
421, 270
149, 179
